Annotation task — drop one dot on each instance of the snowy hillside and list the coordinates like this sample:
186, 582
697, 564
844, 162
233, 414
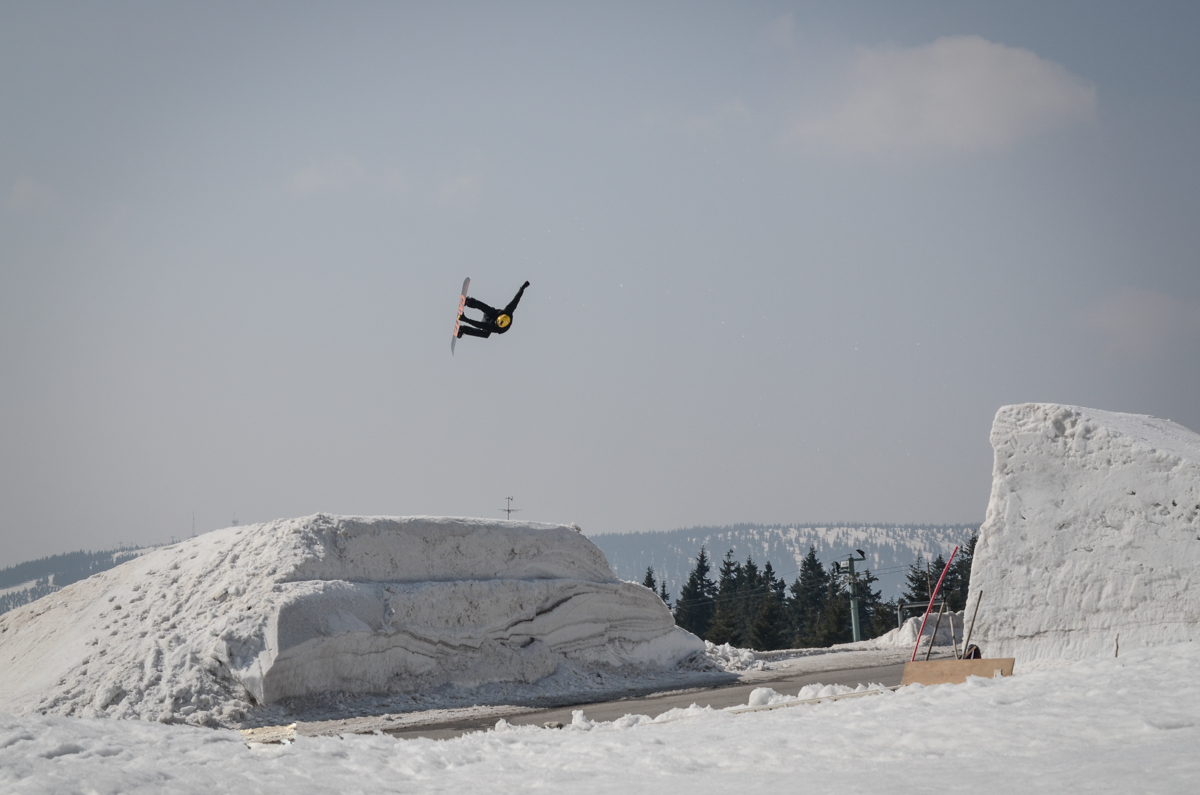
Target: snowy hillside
1092, 531
890, 549
203, 630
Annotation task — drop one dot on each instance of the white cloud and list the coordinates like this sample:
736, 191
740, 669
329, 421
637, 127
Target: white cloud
460, 192
1136, 323
960, 93
28, 196
335, 176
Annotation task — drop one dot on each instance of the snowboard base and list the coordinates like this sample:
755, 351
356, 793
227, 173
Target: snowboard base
462, 302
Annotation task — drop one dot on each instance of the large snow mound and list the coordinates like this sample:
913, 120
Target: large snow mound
205, 629
1093, 530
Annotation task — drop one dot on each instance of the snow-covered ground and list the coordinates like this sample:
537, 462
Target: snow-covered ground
1103, 725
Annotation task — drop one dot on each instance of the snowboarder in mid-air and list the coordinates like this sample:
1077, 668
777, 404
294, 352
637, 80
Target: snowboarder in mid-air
495, 321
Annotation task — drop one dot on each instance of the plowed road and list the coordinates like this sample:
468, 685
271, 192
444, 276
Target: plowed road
658, 703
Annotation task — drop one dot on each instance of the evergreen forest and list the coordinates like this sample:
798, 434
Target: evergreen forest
750, 607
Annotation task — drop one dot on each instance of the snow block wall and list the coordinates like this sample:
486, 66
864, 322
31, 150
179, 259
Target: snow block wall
1093, 529
207, 628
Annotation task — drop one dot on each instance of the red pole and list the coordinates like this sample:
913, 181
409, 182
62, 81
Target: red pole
932, 596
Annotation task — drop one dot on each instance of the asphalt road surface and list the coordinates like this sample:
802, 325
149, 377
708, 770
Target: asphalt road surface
658, 703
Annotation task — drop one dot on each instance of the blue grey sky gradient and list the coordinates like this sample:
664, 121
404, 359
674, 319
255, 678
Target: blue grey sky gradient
787, 259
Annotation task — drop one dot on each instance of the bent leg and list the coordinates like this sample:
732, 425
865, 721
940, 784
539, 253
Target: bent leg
481, 306
473, 332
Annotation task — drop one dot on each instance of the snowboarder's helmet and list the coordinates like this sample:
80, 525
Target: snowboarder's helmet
503, 320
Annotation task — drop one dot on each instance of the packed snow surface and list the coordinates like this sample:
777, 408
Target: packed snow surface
1122, 725
206, 629
1092, 531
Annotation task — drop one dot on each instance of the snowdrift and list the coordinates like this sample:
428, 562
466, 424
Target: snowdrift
905, 635
1093, 530
205, 629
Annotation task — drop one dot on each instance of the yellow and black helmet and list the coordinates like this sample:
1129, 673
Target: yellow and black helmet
503, 320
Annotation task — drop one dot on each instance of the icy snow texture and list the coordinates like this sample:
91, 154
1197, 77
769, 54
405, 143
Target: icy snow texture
732, 658
1093, 529
201, 630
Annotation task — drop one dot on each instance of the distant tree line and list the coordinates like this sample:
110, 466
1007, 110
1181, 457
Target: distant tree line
54, 572
15, 599
753, 608
66, 568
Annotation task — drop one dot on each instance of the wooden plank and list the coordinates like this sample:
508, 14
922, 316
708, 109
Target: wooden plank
955, 672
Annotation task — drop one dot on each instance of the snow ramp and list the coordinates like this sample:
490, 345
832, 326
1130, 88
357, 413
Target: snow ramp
206, 629
1092, 531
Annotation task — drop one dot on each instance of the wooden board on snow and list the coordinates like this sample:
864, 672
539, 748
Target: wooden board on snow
955, 672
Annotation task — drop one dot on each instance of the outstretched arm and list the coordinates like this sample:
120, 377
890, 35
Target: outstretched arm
512, 305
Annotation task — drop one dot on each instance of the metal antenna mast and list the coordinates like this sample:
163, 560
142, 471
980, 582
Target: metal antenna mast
510, 510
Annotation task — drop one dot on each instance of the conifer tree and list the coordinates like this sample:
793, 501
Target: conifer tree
750, 590
694, 607
916, 582
935, 572
833, 623
649, 581
729, 575
726, 623
662, 594
807, 600
751, 579
769, 628
773, 584
958, 579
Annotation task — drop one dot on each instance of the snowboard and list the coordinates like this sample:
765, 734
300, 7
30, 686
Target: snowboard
462, 301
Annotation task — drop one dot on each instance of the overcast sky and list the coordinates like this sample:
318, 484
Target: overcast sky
787, 259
